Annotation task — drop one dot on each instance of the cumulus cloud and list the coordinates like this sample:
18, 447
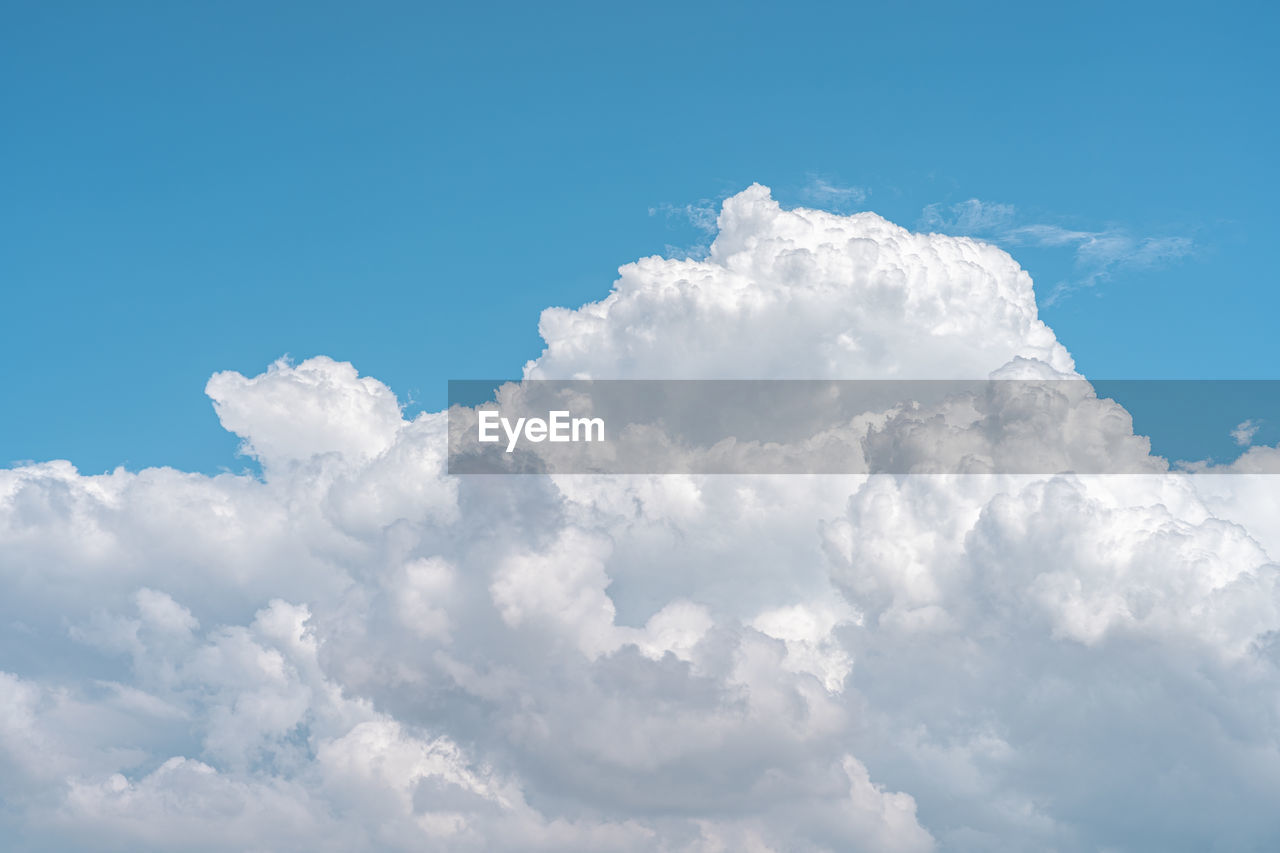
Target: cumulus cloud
357, 651
806, 294
291, 414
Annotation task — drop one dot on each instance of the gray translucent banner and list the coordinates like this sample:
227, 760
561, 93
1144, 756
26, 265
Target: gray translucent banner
1006, 426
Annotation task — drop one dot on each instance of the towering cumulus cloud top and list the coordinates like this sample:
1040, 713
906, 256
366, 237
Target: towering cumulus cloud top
357, 651
806, 294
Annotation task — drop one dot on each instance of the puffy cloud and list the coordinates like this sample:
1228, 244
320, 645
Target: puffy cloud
321, 406
810, 641
358, 651
806, 294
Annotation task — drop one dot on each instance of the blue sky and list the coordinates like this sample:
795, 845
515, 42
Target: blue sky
187, 188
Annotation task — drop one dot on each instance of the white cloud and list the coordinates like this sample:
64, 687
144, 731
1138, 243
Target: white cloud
808, 633
1245, 431
806, 294
1097, 254
359, 652
832, 195
700, 215
969, 217
291, 414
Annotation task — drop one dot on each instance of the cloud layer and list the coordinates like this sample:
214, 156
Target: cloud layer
357, 651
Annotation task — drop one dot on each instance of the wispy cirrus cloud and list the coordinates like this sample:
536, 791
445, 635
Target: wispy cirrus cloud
833, 195
701, 215
1245, 431
1097, 254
